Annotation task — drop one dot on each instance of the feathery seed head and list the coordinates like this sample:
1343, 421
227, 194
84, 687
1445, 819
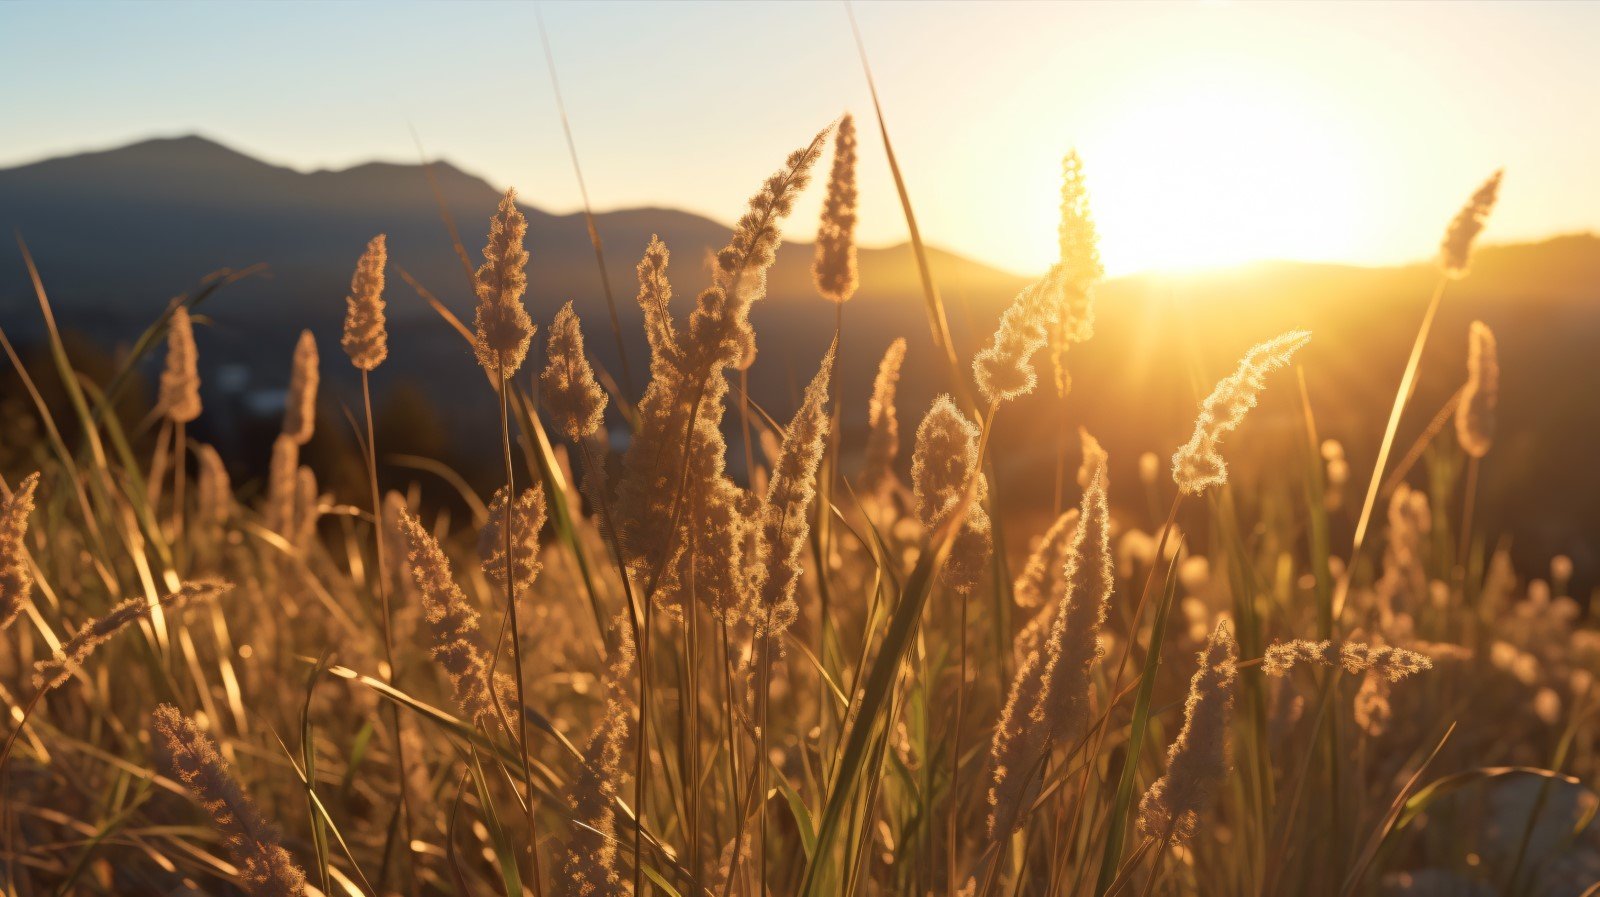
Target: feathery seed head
282, 486
943, 462
1455, 252
1094, 457
1044, 577
567, 385
453, 623
786, 514
655, 296
1080, 253
834, 268
1475, 412
186, 754
16, 580
883, 437
1197, 761
527, 519
180, 379
1199, 464
1074, 646
300, 405
52, 673
366, 337
503, 326
1004, 370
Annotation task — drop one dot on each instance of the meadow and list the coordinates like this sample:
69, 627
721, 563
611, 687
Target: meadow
843, 672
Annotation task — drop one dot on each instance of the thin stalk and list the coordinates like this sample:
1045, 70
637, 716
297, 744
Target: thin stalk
588, 212
1466, 517
380, 578
1401, 397
516, 630
179, 448
955, 745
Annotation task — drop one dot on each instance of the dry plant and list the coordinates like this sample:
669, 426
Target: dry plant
829, 675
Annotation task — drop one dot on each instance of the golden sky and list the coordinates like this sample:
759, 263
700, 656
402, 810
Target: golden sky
1212, 133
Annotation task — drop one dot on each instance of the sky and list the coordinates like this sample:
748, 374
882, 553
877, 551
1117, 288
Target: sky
1212, 133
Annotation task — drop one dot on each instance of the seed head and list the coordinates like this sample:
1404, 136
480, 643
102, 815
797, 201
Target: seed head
504, 328
366, 339
1197, 761
180, 380
785, 519
834, 268
567, 385
1198, 464
16, 580
52, 673
944, 462
883, 437
300, 405
1475, 412
1455, 252
186, 754
527, 519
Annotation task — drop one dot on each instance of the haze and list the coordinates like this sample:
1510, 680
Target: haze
1213, 133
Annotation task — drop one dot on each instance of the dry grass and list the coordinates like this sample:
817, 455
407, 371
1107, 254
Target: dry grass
641, 674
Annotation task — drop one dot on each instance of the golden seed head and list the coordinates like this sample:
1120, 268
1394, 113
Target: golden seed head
16, 579
300, 405
834, 267
883, 437
180, 379
567, 387
1455, 252
1480, 398
1199, 464
366, 338
504, 329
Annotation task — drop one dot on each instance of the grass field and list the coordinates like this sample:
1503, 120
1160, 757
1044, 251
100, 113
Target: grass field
848, 673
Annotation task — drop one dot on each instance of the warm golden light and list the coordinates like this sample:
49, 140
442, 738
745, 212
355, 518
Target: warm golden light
1223, 171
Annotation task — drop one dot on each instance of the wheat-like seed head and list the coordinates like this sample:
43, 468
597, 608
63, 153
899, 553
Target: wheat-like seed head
1197, 761
186, 754
52, 673
1094, 457
454, 626
283, 486
366, 337
1199, 464
785, 521
567, 385
834, 267
944, 461
589, 868
16, 580
1044, 576
1004, 370
527, 519
655, 298
180, 379
1073, 646
1475, 412
300, 405
1455, 251
883, 437
503, 326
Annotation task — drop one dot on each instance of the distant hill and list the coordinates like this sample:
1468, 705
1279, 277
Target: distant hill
118, 233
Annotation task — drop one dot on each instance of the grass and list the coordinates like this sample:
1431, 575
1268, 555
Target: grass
843, 753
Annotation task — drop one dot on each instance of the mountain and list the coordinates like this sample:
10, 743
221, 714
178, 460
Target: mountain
118, 233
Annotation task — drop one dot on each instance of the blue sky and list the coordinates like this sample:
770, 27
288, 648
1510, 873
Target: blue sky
1212, 132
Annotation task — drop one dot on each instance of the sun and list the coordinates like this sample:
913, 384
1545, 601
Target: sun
1221, 170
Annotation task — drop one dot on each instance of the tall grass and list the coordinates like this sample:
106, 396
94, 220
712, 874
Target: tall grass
766, 685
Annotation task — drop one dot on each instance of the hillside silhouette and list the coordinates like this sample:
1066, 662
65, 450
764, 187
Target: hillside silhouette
118, 233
